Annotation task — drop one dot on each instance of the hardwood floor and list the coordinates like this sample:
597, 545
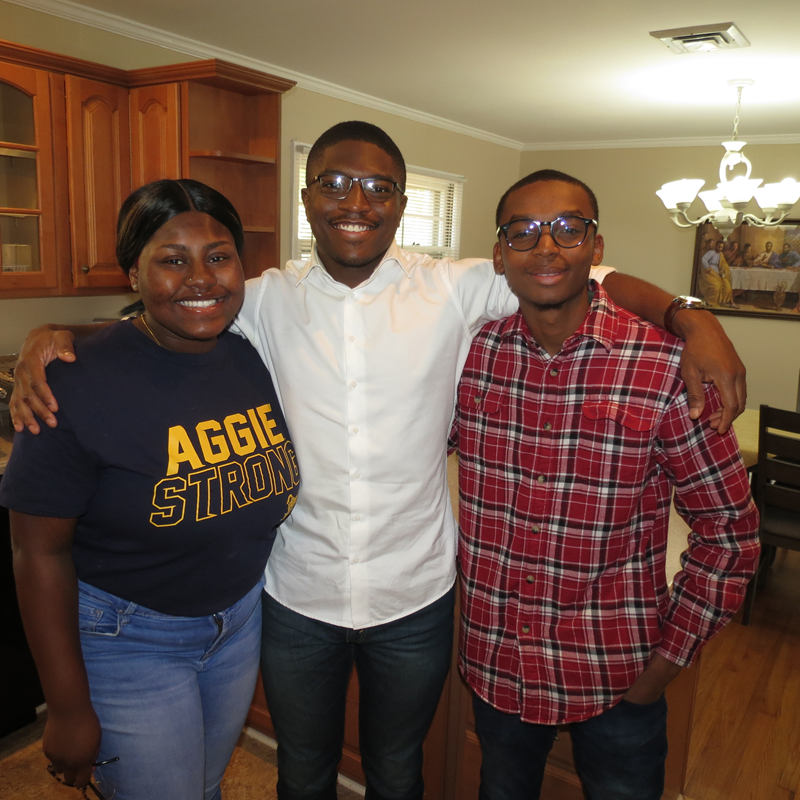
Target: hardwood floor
746, 737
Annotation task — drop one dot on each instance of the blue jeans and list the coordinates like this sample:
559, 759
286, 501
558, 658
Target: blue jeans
306, 666
619, 754
171, 693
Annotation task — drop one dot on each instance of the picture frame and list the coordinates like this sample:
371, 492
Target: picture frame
760, 276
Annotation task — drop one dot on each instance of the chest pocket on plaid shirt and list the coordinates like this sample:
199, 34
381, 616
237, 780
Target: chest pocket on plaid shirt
616, 441
483, 412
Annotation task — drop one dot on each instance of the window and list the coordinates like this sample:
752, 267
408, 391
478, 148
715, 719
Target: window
431, 223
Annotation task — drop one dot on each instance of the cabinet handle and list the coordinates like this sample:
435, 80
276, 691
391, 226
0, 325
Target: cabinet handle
85, 269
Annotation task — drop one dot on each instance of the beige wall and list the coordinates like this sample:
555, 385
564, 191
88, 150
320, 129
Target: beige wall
641, 240
639, 237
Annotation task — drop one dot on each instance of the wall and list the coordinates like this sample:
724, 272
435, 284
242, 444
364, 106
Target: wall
641, 240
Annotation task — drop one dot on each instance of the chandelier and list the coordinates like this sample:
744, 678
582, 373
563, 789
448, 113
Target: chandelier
726, 204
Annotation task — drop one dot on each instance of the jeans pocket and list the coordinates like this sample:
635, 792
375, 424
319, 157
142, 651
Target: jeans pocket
97, 618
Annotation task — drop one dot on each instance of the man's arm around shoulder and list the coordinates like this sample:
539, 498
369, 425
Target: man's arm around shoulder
32, 396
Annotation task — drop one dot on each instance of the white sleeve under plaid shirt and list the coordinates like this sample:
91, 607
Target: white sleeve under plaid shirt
566, 471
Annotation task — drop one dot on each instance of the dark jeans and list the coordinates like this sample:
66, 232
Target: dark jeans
619, 755
401, 668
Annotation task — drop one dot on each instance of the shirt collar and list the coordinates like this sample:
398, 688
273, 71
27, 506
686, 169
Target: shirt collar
601, 322
393, 254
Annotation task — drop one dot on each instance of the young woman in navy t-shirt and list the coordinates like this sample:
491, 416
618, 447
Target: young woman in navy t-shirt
142, 523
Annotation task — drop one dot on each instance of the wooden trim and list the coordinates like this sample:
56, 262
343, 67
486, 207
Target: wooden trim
213, 72
225, 155
32, 148
33, 57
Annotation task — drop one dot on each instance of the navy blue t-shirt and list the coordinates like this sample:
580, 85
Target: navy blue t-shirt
178, 467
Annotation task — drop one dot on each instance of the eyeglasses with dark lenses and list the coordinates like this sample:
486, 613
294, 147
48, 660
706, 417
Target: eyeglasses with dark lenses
337, 187
95, 790
524, 234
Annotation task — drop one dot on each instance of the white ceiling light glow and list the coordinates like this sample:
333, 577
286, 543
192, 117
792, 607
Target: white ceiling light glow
726, 204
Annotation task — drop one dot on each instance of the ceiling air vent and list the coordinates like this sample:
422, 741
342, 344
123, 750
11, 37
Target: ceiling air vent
703, 38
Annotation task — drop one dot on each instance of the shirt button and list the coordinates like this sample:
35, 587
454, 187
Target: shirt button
478, 400
357, 517
554, 372
540, 479
355, 560
357, 475
548, 425
351, 338
529, 579
535, 529
353, 384
355, 430
526, 629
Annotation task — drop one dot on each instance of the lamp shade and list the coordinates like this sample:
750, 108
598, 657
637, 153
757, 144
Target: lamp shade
711, 199
680, 192
787, 192
740, 189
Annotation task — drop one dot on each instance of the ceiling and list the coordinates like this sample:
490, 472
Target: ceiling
531, 74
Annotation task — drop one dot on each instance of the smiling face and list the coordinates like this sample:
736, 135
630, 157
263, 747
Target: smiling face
191, 282
353, 234
549, 279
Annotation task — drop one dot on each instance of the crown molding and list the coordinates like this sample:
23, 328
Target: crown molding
191, 47
632, 144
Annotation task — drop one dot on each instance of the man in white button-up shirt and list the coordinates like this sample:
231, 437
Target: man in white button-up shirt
366, 343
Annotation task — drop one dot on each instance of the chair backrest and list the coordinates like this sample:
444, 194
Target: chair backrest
778, 472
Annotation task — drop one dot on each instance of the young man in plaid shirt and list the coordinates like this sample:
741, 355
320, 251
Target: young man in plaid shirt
572, 432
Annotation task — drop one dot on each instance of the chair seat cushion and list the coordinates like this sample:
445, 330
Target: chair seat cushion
781, 522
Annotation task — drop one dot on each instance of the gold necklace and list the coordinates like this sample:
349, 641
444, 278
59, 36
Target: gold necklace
155, 338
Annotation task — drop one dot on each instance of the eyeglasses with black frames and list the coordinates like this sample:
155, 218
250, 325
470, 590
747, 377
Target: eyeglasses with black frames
99, 790
337, 186
567, 232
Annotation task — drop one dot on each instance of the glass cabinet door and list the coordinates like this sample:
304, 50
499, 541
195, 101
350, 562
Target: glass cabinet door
26, 194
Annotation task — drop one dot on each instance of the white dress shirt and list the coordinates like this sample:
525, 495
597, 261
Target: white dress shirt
367, 378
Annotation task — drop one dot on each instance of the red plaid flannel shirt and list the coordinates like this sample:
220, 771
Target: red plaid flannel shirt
567, 466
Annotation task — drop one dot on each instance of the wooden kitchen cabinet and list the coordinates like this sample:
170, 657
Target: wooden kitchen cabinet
27, 200
94, 133
98, 145
219, 124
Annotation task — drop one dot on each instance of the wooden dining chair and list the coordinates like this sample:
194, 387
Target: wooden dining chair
776, 491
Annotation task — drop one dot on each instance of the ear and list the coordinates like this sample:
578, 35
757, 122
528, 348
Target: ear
133, 277
497, 259
599, 247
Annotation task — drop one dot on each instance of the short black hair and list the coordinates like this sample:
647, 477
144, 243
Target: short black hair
355, 131
153, 204
543, 176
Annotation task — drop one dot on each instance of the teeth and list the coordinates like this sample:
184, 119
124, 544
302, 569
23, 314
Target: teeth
353, 227
199, 303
